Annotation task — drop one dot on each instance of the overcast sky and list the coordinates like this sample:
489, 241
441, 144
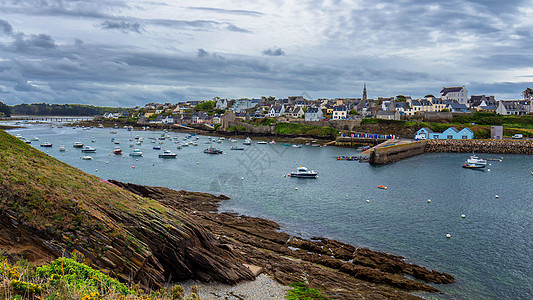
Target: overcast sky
129, 53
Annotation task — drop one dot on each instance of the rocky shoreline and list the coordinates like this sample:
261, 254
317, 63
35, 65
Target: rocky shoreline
339, 270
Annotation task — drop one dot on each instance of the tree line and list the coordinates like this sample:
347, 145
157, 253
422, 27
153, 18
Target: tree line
5, 111
44, 109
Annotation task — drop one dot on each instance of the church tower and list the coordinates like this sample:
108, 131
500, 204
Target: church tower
364, 92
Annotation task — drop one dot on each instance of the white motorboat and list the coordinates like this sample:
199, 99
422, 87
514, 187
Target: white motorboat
302, 172
247, 141
86, 157
262, 143
78, 145
136, 152
168, 154
474, 160
88, 149
35, 138
296, 146
46, 144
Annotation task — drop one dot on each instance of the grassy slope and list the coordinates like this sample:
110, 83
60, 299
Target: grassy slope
61, 200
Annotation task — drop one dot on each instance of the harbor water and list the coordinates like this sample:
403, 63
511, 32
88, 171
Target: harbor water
490, 250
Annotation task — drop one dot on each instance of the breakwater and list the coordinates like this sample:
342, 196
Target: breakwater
394, 152
481, 146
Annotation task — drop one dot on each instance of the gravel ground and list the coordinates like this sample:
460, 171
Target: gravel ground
263, 287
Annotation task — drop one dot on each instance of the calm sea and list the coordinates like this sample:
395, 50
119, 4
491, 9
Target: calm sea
490, 251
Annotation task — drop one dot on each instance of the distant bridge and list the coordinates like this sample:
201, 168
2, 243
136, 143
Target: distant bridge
48, 118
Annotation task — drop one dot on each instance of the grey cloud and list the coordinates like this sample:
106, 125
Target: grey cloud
273, 52
5, 27
202, 53
122, 26
34, 41
25, 86
228, 11
206, 25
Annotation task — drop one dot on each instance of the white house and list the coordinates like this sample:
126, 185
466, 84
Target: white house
339, 113
168, 120
221, 104
513, 107
314, 114
458, 93
294, 112
276, 111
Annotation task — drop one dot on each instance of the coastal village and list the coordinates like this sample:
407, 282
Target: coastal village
452, 101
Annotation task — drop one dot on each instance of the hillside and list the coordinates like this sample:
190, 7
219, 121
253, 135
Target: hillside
49, 209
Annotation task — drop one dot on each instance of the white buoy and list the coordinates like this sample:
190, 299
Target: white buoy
242, 178
107, 163
463, 216
367, 201
496, 196
96, 170
488, 170
197, 162
346, 195
136, 159
296, 188
429, 200
448, 235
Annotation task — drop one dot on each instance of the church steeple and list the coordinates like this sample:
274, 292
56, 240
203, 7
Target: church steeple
364, 92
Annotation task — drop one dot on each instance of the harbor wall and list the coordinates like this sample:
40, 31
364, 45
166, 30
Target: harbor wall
481, 146
394, 153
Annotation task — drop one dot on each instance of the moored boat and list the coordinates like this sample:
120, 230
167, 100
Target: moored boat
472, 166
236, 148
212, 150
47, 144
88, 149
78, 145
136, 152
168, 154
86, 157
302, 172
117, 151
247, 141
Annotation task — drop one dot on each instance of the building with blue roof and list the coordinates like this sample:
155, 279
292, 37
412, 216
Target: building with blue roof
451, 133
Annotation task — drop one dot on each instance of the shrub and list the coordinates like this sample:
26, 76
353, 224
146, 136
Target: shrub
301, 291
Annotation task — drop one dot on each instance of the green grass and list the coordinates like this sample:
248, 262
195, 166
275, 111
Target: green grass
301, 129
300, 291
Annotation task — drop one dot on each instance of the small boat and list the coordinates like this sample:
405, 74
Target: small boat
296, 146
194, 143
86, 157
236, 148
117, 151
212, 150
302, 172
184, 145
35, 138
221, 138
474, 160
136, 152
62, 148
88, 149
157, 148
247, 141
78, 145
19, 136
100, 126
262, 143
93, 140
168, 154
46, 144
113, 132
472, 166
27, 141
117, 143
233, 140
382, 187
272, 142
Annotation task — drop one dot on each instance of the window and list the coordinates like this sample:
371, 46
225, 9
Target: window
465, 137
450, 137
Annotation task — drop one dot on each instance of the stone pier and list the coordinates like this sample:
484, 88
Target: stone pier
387, 154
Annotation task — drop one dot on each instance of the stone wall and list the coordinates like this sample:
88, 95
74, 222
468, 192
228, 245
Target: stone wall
390, 154
482, 146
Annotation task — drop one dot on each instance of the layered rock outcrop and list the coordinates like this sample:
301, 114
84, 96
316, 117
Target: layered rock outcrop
49, 209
